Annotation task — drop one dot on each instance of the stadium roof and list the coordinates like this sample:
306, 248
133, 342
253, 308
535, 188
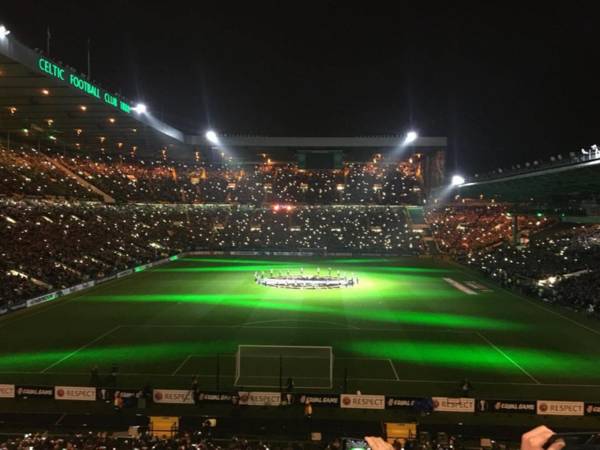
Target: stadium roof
575, 178
324, 142
43, 101
46, 100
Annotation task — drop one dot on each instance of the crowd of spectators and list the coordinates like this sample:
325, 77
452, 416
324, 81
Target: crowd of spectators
462, 228
159, 181
50, 245
145, 441
31, 173
561, 266
554, 261
204, 440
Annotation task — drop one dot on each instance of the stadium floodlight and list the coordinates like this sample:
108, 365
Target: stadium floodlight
140, 108
211, 136
457, 180
3, 32
411, 137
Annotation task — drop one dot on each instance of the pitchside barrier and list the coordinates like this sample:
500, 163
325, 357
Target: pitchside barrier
328, 400
271, 366
80, 287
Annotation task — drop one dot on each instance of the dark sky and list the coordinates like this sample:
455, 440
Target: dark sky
506, 84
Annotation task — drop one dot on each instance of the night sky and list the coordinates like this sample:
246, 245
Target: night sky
506, 84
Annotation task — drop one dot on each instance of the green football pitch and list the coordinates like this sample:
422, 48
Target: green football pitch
412, 326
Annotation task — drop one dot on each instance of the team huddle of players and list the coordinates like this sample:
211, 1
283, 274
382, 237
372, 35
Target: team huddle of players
305, 281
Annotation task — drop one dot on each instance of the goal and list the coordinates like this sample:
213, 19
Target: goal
270, 366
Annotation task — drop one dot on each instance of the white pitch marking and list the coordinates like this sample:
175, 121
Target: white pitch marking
64, 358
259, 322
394, 370
560, 315
181, 365
459, 286
499, 350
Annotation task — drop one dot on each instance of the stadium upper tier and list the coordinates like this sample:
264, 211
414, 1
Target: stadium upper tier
33, 173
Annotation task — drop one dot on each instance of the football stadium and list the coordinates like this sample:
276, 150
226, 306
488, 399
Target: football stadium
169, 288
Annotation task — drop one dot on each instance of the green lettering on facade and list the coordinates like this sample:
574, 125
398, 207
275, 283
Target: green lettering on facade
51, 69
124, 106
56, 71
110, 99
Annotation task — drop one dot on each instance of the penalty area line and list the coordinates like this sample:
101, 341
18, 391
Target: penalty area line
499, 350
394, 369
183, 363
83, 347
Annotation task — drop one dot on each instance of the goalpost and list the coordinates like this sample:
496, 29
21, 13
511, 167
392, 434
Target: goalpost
270, 366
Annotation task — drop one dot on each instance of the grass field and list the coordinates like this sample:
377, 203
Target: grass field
411, 326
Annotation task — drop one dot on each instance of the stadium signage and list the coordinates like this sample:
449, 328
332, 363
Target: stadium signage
41, 299
82, 393
507, 406
7, 391
362, 401
55, 71
402, 402
34, 392
129, 396
260, 398
215, 397
592, 409
448, 404
16, 306
178, 396
560, 408
51, 69
319, 400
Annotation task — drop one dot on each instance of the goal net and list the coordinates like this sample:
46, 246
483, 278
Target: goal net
270, 366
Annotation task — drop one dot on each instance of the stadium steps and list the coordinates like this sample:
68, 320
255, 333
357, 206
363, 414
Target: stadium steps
416, 215
86, 184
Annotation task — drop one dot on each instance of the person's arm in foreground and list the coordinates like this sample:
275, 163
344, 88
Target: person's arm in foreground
536, 438
532, 440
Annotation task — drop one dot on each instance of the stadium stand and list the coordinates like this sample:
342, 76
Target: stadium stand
30, 173
33, 173
560, 267
157, 181
461, 228
554, 261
